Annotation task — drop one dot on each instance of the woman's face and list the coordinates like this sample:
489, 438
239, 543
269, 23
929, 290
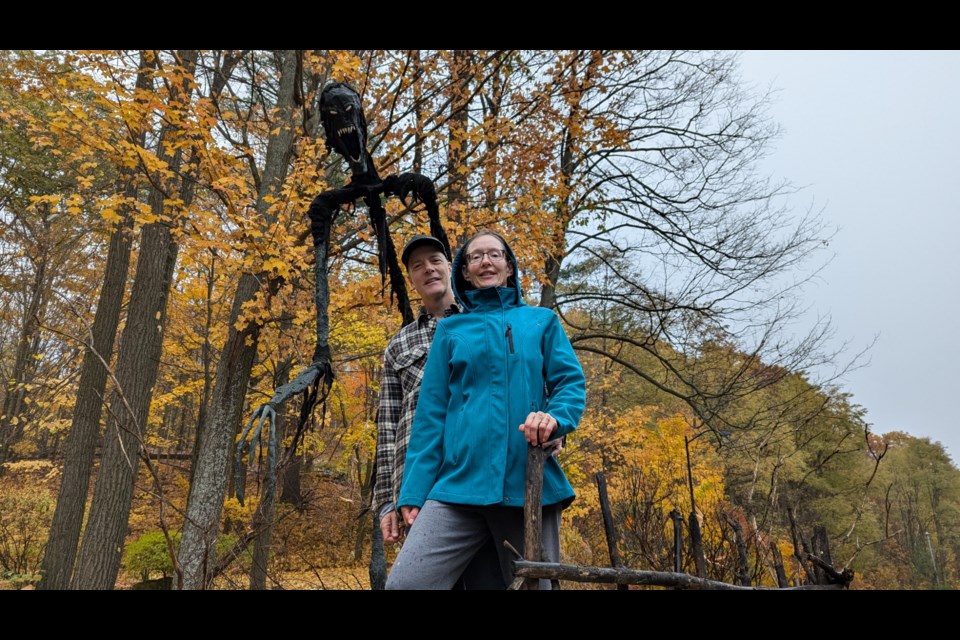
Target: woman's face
485, 263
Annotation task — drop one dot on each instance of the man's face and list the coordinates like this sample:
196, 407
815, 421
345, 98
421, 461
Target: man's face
429, 272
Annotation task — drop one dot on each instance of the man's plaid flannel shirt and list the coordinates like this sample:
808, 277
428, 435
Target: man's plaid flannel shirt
403, 364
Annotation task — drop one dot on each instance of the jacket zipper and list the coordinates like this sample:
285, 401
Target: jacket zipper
510, 337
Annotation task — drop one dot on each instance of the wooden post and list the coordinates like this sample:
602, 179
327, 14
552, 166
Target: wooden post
677, 518
821, 571
743, 568
782, 581
800, 547
820, 548
533, 511
696, 540
608, 526
696, 546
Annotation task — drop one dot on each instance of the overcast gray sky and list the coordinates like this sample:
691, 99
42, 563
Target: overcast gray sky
874, 139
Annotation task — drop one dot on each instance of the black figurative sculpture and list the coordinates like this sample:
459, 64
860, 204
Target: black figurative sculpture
345, 128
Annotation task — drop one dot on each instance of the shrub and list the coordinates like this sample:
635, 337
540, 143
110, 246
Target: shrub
25, 516
149, 554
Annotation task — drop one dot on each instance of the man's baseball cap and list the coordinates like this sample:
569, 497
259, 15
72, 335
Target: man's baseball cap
421, 240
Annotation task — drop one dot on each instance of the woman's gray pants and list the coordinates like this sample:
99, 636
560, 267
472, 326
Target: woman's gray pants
445, 537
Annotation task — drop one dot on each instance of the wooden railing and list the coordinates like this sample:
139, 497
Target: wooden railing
529, 568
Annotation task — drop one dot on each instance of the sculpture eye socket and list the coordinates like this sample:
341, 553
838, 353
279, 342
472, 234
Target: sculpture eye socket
332, 112
349, 108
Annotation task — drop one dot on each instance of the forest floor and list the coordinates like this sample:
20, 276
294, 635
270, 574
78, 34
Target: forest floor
312, 547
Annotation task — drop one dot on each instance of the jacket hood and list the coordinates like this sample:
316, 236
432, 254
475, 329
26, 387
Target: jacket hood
461, 285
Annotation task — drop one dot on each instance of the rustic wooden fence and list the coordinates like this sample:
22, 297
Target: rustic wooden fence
529, 568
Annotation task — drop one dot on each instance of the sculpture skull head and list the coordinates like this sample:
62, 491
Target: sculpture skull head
345, 125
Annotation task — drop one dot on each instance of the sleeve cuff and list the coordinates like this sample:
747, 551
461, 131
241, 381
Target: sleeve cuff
385, 508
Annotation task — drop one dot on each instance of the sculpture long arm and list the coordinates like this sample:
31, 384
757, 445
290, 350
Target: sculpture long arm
422, 189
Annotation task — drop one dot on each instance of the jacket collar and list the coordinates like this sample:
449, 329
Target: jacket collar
492, 298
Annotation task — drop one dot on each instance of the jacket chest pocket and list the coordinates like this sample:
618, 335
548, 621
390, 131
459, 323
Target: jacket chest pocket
453, 440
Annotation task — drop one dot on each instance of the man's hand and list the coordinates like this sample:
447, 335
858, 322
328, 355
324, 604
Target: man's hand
555, 446
409, 514
390, 527
538, 427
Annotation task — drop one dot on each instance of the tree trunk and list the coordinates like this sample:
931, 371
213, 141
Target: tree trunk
11, 422
291, 491
233, 373
366, 474
492, 98
82, 440
206, 358
418, 112
570, 157
263, 526
457, 138
548, 293
263, 518
137, 364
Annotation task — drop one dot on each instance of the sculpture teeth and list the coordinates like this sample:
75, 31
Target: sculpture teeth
345, 130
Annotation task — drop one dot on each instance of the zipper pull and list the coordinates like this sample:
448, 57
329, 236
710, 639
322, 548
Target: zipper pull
510, 337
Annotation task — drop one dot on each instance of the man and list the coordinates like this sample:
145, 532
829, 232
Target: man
428, 267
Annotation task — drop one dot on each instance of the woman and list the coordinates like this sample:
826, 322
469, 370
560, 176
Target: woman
499, 376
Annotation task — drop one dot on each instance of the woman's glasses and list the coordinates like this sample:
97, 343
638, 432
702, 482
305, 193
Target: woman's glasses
495, 255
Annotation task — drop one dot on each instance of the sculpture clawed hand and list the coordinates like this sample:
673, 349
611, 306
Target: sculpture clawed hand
405, 184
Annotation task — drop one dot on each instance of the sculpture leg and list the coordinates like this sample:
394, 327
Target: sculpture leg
388, 257
436, 229
423, 189
322, 213
319, 374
